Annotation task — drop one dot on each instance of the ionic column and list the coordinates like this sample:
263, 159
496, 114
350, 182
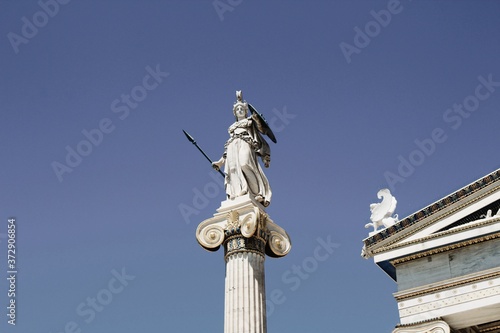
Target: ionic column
248, 235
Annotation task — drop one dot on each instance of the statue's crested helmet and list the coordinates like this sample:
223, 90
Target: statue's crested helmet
240, 101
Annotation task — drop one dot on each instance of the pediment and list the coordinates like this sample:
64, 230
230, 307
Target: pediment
469, 214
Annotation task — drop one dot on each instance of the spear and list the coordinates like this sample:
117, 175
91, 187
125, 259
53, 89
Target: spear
192, 140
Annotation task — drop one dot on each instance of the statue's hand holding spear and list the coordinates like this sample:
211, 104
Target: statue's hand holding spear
216, 165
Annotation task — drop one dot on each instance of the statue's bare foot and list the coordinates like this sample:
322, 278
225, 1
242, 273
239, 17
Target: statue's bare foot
259, 198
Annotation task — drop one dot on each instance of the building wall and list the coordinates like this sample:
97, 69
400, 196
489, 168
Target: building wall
450, 264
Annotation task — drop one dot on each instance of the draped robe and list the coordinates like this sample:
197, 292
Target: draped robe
243, 172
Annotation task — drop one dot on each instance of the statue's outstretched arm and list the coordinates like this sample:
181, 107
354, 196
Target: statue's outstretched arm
218, 164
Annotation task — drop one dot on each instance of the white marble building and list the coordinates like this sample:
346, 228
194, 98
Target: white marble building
445, 259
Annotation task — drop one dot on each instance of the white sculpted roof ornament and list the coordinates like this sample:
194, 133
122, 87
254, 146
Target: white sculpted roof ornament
382, 212
489, 214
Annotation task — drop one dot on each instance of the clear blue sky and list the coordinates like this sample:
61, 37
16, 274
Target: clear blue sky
355, 90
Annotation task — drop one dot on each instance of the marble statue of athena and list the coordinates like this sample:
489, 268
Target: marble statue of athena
244, 174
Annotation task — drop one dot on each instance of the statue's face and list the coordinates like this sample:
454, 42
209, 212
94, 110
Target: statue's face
240, 112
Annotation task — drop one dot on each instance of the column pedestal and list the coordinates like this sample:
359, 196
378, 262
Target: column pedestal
248, 234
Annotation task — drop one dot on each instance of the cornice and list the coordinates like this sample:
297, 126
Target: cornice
445, 248
435, 325
457, 230
420, 322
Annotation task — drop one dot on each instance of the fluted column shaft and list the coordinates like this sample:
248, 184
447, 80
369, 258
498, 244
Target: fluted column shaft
245, 295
